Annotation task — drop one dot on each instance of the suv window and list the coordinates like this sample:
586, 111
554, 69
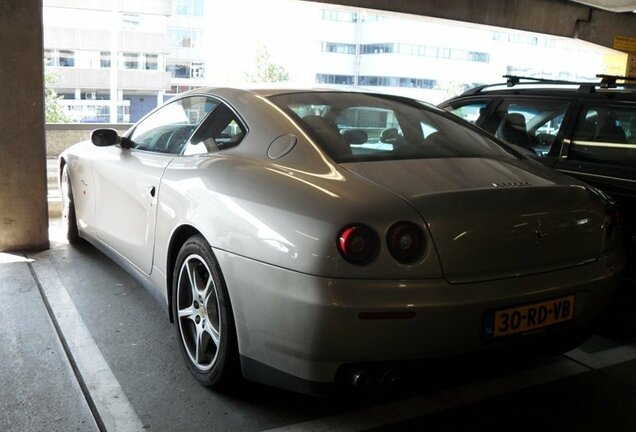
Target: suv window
470, 111
531, 124
605, 134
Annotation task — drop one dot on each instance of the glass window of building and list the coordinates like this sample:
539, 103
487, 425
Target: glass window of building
178, 69
131, 60
377, 48
335, 15
185, 38
339, 48
151, 61
66, 58
197, 69
188, 7
59, 58
334, 79
104, 61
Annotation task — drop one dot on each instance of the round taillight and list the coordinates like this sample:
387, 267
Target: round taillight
358, 244
405, 241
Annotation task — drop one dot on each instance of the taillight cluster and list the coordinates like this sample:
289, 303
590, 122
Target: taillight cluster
360, 245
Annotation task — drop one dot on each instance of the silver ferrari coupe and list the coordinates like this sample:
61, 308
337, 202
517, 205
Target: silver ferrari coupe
316, 239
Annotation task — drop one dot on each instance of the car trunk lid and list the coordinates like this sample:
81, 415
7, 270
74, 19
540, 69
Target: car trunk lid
492, 219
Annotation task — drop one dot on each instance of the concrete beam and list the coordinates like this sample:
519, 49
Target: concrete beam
23, 203
555, 17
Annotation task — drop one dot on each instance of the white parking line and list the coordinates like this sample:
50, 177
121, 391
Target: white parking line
573, 363
602, 359
112, 405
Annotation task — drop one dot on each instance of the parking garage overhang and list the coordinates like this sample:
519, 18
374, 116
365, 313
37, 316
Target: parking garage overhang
600, 24
23, 199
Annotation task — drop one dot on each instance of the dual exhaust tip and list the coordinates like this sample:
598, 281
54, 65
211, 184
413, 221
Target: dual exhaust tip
379, 378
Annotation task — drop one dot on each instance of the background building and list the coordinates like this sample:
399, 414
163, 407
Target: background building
117, 60
110, 56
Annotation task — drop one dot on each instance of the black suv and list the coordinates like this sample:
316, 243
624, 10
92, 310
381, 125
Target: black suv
586, 130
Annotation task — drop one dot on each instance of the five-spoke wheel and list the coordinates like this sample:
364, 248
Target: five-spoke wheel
203, 315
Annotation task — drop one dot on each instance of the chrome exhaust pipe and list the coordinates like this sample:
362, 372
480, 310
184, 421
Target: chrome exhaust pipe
385, 378
391, 378
362, 378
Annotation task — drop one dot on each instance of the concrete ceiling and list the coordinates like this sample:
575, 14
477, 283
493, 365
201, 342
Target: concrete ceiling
611, 5
600, 22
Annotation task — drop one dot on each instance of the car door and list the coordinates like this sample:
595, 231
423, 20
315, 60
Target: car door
532, 123
128, 181
601, 150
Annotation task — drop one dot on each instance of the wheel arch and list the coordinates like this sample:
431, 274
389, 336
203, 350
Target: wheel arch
60, 167
179, 237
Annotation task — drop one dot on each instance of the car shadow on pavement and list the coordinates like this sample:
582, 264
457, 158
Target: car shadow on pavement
619, 321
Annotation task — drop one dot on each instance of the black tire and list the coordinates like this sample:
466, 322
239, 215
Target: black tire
68, 208
212, 358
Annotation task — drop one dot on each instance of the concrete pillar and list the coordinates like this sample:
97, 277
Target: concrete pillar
23, 202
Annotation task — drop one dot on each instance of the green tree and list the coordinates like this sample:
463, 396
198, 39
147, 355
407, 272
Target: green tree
450, 88
265, 70
53, 111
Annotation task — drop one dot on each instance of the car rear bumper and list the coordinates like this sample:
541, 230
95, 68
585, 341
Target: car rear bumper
307, 327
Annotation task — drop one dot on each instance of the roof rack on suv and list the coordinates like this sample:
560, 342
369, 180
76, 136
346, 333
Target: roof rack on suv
513, 80
607, 82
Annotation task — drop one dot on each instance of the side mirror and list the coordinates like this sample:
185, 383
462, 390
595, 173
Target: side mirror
109, 137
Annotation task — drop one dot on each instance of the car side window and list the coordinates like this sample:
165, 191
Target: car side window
605, 134
168, 129
533, 125
470, 111
221, 130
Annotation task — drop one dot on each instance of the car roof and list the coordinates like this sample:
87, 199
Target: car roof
267, 92
623, 87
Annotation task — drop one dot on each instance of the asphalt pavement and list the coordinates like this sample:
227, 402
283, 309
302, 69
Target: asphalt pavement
86, 348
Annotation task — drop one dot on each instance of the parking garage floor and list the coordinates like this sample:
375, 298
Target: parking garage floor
84, 347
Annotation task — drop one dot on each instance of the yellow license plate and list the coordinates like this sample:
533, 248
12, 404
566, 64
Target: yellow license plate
533, 316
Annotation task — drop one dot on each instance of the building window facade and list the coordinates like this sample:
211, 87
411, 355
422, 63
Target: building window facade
151, 61
186, 69
377, 48
376, 81
104, 59
334, 79
130, 60
339, 48
59, 58
515, 38
188, 7
185, 38
336, 15
443, 53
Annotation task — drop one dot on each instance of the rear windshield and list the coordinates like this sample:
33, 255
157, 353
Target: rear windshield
360, 127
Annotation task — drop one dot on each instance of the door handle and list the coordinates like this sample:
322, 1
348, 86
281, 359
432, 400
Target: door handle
151, 191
